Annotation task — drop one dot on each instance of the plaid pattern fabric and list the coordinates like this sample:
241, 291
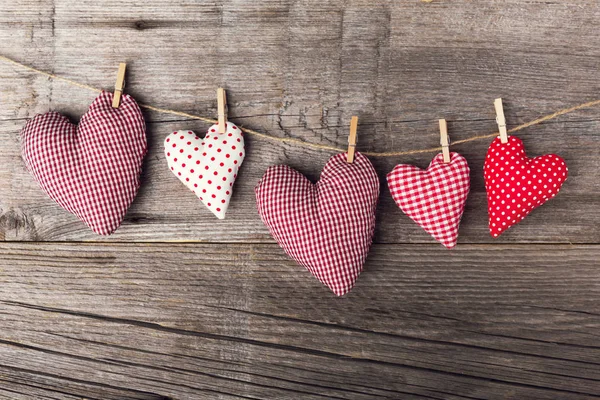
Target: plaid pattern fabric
326, 227
516, 185
91, 170
434, 198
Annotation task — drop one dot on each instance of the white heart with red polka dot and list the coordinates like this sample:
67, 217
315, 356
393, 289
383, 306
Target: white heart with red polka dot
207, 166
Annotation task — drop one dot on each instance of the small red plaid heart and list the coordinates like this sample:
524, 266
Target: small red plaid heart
326, 227
92, 169
516, 185
434, 198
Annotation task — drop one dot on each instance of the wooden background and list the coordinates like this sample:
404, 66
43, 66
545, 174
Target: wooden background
177, 304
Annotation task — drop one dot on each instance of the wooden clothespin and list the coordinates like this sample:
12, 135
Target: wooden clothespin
444, 141
500, 120
352, 139
119, 85
222, 109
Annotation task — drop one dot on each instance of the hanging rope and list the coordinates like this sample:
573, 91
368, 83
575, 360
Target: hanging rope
308, 144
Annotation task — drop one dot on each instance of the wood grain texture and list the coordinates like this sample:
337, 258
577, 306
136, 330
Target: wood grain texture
186, 320
301, 69
179, 305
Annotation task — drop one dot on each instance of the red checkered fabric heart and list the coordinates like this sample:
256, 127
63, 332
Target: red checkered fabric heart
516, 185
92, 169
434, 198
326, 227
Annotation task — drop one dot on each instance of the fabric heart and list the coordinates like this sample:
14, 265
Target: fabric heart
209, 166
93, 169
516, 185
434, 198
326, 227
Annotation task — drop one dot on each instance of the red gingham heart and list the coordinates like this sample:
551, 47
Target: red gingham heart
326, 227
434, 198
209, 166
92, 169
516, 185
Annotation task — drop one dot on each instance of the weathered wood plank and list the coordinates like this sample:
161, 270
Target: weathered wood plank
192, 320
21, 383
301, 69
152, 321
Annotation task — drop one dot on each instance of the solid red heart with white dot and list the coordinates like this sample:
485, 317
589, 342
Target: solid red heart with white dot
516, 185
208, 166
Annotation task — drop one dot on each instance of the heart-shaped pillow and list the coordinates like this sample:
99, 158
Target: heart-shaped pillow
92, 169
209, 166
516, 184
434, 198
326, 227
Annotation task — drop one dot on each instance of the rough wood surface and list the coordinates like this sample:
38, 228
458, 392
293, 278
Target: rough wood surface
220, 311
301, 69
182, 320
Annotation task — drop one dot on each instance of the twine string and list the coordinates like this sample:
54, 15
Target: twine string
302, 142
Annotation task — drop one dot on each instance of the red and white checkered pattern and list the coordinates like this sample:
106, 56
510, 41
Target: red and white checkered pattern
434, 198
326, 227
91, 170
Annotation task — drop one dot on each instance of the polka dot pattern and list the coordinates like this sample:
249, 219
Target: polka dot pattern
516, 185
208, 166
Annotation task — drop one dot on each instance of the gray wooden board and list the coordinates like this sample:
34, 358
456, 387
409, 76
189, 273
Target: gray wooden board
177, 304
185, 320
302, 69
